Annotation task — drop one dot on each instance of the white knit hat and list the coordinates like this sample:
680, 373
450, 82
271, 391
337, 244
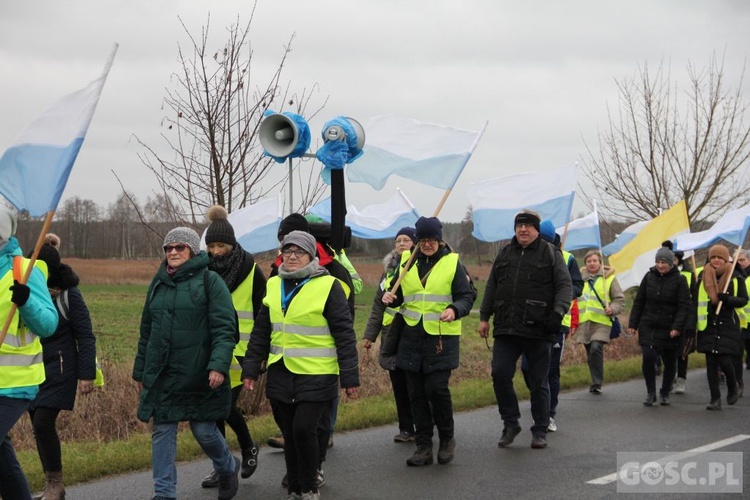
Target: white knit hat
184, 235
8, 222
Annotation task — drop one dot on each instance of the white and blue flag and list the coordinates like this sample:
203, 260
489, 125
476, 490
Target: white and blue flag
732, 227
581, 233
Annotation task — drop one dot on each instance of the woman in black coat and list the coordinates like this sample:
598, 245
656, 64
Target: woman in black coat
659, 316
719, 334
69, 365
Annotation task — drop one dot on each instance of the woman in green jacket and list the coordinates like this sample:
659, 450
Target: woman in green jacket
188, 329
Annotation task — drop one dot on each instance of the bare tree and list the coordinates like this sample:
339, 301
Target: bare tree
211, 127
665, 145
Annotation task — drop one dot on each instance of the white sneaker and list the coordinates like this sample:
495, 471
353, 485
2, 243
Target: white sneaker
552, 427
679, 386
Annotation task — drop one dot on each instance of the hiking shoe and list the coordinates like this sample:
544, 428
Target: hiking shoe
249, 461
320, 478
552, 427
595, 389
509, 434
292, 496
650, 399
715, 404
538, 442
276, 441
423, 456
733, 396
228, 483
330, 441
310, 495
679, 386
445, 452
664, 400
211, 481
404, 437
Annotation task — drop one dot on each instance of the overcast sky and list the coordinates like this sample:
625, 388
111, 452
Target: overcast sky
541, 72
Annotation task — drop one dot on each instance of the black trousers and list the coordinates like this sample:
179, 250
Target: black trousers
431, 405
43, 420
505, 354
648, 368
401, 395
237, 422
299, 425
714, 362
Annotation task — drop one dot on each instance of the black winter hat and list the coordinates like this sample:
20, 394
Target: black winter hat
220, 230
526, 216
429, 227
292, 222
50, 256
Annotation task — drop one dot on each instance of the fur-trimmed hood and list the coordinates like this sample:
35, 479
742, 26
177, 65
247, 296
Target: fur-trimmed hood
608, 271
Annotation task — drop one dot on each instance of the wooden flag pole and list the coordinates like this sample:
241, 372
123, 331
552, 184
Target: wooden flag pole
731, 272
25, 277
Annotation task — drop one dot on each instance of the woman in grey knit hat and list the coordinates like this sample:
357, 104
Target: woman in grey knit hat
187, 336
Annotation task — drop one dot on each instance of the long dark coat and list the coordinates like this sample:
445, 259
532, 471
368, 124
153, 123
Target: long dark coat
188, 328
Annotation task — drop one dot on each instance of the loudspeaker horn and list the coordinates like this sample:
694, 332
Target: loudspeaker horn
284, 135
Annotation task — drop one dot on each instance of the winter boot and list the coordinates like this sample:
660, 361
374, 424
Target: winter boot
446, 451
249, 461
423, 456
54, 489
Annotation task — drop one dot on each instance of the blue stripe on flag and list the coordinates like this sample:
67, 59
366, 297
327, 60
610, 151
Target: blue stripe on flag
33, 176
261, 239
494, 224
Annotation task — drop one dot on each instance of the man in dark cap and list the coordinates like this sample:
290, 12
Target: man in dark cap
529, 291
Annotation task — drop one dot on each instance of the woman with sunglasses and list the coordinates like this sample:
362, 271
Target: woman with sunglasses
182, 364
305, 333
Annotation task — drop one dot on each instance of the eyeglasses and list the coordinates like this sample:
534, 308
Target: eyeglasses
431, 241
179, 248
297, 253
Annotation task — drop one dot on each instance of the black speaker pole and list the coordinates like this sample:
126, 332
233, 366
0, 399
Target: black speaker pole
291, 184
338, 209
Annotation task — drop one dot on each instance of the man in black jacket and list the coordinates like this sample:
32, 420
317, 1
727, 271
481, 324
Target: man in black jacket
529, 291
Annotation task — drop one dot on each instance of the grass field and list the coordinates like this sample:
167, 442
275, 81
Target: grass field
102, 436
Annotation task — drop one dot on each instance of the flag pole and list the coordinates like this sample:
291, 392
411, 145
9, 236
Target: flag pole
731, 272
25, 277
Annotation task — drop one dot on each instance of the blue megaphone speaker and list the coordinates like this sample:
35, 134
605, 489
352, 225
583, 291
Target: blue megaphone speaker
349, 130
284, 135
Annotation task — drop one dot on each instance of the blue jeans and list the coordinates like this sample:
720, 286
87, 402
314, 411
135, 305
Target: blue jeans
164, 453
13, 482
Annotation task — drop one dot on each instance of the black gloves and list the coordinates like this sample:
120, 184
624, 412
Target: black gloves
21, 293
730, 300
554, 320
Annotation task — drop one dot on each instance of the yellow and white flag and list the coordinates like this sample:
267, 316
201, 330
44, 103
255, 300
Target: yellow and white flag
634, 260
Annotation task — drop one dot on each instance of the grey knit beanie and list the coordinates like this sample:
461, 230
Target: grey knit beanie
665, 254
184, 235
303, 240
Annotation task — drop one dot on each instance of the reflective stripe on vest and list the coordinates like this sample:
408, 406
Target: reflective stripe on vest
566, 319
301, 337
703, 301
747, 306
427, 302
242, 299
21, 358
589, 307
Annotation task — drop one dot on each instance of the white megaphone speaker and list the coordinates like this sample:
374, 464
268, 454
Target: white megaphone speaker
284, 135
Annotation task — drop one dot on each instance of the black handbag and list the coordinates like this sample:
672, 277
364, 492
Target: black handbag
616, 329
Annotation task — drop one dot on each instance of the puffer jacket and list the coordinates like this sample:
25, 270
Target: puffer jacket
722, 333
661, 305
188, 328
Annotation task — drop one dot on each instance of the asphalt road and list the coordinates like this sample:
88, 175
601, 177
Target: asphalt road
579, 462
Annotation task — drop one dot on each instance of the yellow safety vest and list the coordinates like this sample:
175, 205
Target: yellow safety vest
356, 279
589, 307
21, 359
566, 319
427, 302
703, 302
746, 310
242, 298
301, 336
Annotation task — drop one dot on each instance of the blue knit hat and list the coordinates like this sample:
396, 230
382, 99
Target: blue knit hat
407, 231
547, 230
